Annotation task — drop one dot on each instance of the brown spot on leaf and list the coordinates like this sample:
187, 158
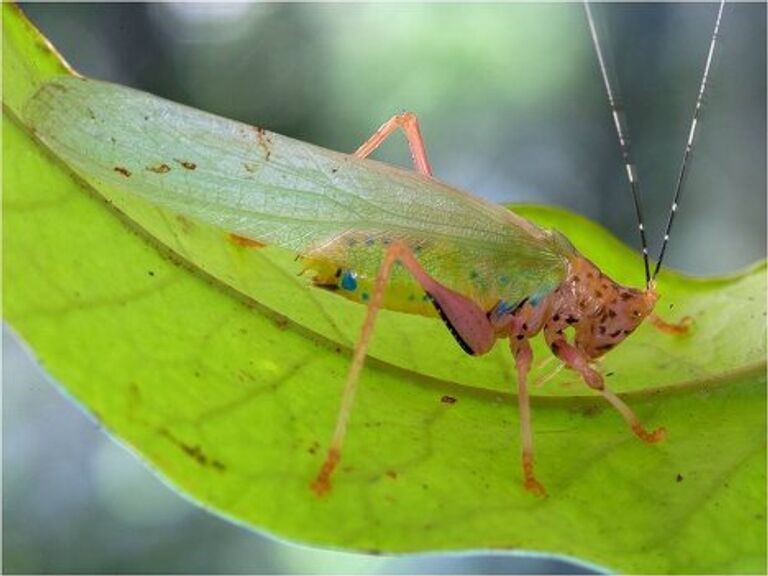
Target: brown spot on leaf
448, 399
187, 164
186, 223
590, 410
124, 171
247, 242
193, 451
264, 141
55, 85
392, 474
159, 168
679, 477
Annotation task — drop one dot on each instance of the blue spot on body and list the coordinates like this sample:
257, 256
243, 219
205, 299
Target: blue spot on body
503, 280
538, 297
348, 281
503, 307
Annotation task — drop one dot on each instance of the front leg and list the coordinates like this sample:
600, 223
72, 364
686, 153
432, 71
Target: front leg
578, 361
682, 327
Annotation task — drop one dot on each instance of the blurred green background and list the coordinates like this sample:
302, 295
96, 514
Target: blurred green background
512, 108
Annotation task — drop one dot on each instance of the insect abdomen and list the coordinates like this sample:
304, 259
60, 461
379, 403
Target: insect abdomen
405, 297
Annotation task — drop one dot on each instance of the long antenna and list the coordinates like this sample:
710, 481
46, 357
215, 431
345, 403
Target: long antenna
691, 136
623, 142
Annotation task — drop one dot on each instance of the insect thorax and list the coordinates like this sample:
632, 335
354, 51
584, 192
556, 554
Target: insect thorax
600, 312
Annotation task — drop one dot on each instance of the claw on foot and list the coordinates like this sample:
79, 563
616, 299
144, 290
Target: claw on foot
681, 327
650, 437
530, 483
321, 485
535, 487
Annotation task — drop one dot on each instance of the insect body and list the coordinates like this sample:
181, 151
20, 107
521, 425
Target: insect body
374, 233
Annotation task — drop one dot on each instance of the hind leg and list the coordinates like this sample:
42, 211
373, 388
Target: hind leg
409, 124
465, 319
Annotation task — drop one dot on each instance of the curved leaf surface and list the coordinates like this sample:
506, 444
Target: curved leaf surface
223, 369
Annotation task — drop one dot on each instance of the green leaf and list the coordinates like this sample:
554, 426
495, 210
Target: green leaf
222, 368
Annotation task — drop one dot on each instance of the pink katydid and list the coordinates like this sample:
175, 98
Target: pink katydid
369, 230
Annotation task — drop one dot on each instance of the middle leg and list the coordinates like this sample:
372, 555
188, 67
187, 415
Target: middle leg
521, 350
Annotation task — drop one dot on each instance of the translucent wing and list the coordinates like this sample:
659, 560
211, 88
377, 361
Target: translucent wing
322, 204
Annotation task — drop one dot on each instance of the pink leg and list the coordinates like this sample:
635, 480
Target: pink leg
466, 320
576, 360
409, 124
523, 356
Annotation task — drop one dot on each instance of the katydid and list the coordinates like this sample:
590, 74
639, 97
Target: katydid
374, 233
